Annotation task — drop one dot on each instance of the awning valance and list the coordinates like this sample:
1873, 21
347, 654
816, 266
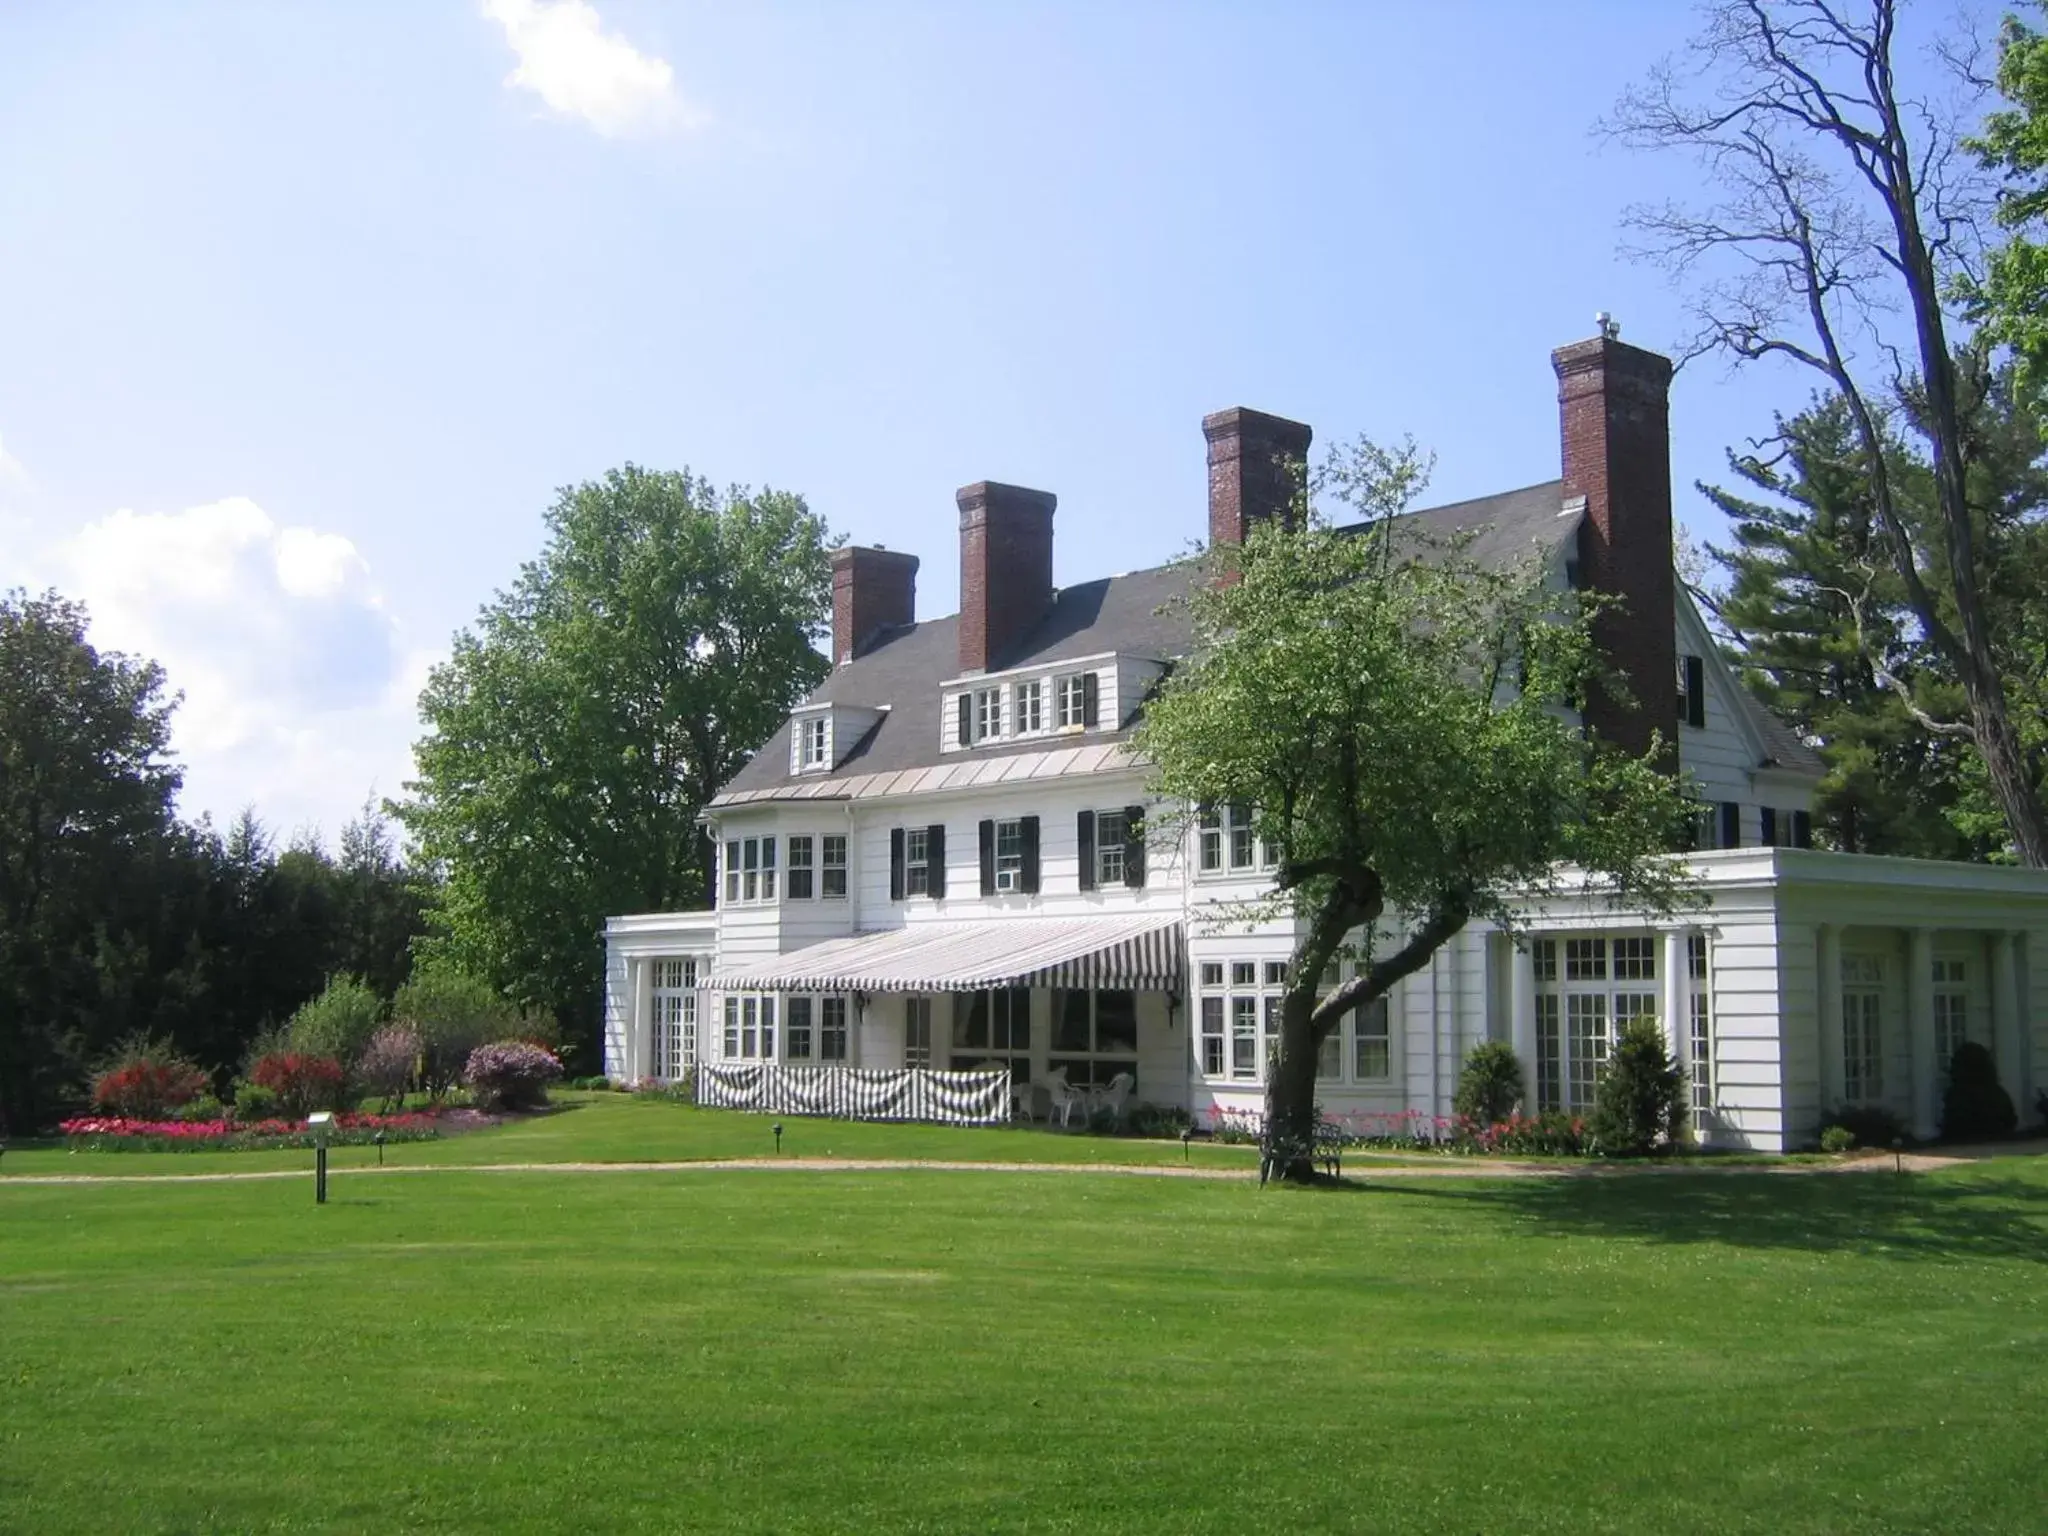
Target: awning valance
1145, 953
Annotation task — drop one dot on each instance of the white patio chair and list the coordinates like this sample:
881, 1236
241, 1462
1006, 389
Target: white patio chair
1115, 1096
1064, 1097
1022, 1101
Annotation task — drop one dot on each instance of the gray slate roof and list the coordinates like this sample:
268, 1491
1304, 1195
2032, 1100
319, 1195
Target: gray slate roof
1130, 615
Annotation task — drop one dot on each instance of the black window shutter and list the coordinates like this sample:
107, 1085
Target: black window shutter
895, 863
1027, 839
988, 858
1767, 828
1802, 829
1089, 702
966, 714
935, 843
1134, 846
1695, 691
1731, 824
1084, 835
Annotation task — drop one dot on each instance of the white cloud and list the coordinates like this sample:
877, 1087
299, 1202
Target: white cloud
568, 60
298, 688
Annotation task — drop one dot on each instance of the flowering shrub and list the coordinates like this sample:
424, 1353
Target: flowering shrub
388, 1063
116, 1133
302, 1082
148, 1088
1550, 1134
511, 1074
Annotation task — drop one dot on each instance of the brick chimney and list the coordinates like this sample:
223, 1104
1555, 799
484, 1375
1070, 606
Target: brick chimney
1614, 406
1005, 569
872, 590
1255, 461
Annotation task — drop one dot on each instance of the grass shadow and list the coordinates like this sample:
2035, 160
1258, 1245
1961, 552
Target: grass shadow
1899, 1216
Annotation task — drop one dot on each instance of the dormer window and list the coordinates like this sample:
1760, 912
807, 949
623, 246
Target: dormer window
1030, 712
816, 737
988, 713
1075, 696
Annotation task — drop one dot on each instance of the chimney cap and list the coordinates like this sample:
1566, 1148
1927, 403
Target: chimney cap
1021, 498
1241, 421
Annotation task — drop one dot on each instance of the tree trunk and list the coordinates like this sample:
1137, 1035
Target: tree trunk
1291, 1087
2012, 785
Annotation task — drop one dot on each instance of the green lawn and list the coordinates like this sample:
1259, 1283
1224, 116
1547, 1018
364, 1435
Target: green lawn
947, 1352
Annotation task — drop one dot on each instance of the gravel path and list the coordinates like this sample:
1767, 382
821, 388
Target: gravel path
1363, 1169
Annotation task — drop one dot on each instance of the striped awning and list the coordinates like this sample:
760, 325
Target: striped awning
1145, 953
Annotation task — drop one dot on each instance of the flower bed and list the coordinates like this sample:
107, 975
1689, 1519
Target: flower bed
113, 1133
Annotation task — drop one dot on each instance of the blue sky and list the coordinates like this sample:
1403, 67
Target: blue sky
306, 310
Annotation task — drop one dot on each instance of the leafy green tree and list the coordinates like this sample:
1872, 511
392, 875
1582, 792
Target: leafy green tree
87, 837
339, 1022
1490, 1084
451, 1013
2011, 300
1391, 715
587, 718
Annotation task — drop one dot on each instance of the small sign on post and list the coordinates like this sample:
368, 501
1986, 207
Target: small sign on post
320, 1124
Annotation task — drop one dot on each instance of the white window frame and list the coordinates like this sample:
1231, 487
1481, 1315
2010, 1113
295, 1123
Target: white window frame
1227, 844
1028, 707
801, 857
1588, 986
1112, 832
1699, 1031
1951, 980
917, 862
817, 744
832, 862
1070, 696
1009, 857
988, 714
749, 1027
674, 1006
917, 1032
1862, 1029
749, 871
1238, 1013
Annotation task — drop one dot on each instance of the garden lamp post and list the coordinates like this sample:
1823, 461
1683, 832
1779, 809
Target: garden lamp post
379, 1139
319, 1124
778, 1138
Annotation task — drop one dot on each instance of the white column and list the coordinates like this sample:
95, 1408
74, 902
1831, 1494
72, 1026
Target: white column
638, 1055
1828, 1000
2005, 1020
1522, 1018
1926, 1071
1678, 998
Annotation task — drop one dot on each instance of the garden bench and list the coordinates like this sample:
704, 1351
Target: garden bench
1327, 1149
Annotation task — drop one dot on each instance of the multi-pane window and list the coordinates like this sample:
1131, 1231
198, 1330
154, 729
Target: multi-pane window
993, 1027
988, 713
832, 1029
917, 862
802, 850
750, 869
1951, 1011
917, 1032
1372, 1041
1009, 855
1244, 1038
1030, 707
1587, 990
1227, 840
796, 1029
833, 884
1071, 699
750, 1028
1700, 1038
1110, 832
1095, 1034
1242, 1008
1862, 1013
675, 1018
815, 735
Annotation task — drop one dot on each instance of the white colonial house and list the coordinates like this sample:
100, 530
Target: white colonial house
939, 865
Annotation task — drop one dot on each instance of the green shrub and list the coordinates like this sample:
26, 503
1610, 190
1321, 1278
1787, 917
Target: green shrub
1975, 1107
204, 1109
1871, 1124
339, 1022
1158, 1120
454, 1013
1838, 1138
1490, 1086
1640, 1102
255, 1102
511, 1074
